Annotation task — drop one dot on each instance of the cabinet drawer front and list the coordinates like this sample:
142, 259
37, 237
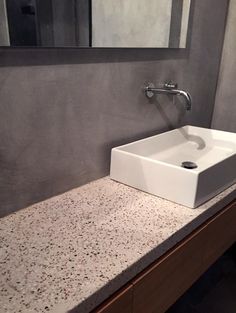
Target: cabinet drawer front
160, 286
221, 234
169, 279
119, 303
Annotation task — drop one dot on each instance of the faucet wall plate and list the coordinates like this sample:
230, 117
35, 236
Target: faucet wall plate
149, 93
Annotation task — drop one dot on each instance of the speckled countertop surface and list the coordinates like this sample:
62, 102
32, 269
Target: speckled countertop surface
76, 249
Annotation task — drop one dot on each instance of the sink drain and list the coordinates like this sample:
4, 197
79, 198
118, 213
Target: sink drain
189, 165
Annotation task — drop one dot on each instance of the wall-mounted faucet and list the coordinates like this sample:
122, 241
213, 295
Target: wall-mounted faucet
171, 89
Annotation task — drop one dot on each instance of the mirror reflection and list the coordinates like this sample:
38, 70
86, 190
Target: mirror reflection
94, 23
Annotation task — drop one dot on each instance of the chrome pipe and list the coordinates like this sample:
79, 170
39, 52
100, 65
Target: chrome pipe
169, 89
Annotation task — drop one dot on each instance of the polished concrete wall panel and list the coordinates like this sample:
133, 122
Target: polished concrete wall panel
62, 110
224, 116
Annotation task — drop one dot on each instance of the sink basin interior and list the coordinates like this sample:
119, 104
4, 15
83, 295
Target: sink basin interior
188, 165
202, 146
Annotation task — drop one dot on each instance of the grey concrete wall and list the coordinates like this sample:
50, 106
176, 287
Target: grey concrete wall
61, 111
224, 117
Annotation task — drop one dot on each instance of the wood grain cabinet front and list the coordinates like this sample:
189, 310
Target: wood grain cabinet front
167, 280
163, 282
121, 302
220, 235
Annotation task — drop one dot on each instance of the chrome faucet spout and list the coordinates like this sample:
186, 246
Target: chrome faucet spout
171, 89
187, 97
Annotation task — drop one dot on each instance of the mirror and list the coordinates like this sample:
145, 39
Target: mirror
94, 23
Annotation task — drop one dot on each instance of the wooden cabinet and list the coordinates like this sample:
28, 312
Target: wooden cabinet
220, 234
156, 289
162, 283
121, 302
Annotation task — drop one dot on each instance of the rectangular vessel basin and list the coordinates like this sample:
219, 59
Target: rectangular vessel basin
154, 164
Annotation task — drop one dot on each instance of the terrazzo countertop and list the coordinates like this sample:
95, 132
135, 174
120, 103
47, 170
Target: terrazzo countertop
76, 249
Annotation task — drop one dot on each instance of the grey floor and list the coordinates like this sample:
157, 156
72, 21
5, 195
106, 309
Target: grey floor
214, 292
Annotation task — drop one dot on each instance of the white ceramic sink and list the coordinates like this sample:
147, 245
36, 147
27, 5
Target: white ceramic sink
154, 164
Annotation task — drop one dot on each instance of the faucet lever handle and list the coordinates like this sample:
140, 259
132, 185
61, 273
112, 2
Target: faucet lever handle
170, 85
